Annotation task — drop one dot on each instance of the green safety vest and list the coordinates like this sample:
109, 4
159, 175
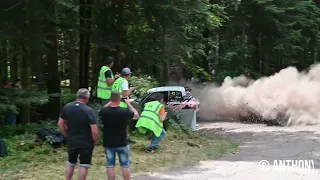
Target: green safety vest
117, 86
150, 119
103, 90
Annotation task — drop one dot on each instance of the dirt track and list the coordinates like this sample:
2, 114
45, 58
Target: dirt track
257, 142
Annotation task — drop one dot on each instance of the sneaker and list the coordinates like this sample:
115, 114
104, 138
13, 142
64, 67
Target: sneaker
155, 148
148, 149
131, 141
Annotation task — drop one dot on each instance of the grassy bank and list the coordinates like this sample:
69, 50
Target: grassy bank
30, 160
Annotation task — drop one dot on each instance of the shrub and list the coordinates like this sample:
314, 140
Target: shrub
12, 99
11, 130
142, 84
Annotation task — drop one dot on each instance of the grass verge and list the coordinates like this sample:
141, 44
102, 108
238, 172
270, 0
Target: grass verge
29, 160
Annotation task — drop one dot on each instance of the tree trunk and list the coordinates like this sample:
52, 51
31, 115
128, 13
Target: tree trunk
53, 81
73, 61
14, 62
255, 56
164, 72
261, 58
85, 19
5, 58
316, 54
305, 55
312, 52
25, 81
217, 43
95, 68
317, 2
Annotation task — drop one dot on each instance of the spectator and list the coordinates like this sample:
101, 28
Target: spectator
6, 83
115, 121
122, 85
105, 80
9, 116
151, 119
78, 123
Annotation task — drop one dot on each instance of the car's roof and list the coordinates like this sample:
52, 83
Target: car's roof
167, 88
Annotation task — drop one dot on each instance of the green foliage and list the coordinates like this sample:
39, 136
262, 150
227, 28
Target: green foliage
155, 38
27, 155
264, 36
67, 96
13, 130
175, 123
11, 100
23, 147
142, 84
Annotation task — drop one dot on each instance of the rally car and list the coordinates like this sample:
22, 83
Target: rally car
177, 97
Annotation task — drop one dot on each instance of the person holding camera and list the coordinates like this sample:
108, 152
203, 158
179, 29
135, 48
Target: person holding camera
115, 121
122, 85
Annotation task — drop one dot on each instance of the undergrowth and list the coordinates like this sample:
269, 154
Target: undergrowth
29, 158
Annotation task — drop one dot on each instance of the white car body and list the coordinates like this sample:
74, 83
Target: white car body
174, 98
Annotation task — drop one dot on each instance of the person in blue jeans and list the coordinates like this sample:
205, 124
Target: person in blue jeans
115, 120
151, 119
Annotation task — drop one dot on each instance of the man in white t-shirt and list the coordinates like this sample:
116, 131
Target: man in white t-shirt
126, 90
121, 85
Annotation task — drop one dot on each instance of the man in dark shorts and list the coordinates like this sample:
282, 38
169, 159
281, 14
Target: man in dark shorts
115, 121
78, 123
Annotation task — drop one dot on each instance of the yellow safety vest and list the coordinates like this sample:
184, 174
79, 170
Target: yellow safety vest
150, 119
117, 86
104, 90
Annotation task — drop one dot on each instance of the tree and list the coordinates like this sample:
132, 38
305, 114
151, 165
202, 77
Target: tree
53, 81
85, 27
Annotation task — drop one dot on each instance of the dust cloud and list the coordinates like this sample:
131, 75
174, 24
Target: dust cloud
289, 97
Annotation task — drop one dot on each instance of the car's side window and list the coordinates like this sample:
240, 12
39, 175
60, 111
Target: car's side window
165, 96
148, 99
175, 96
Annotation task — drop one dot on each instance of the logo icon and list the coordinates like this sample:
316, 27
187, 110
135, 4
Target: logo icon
264, 165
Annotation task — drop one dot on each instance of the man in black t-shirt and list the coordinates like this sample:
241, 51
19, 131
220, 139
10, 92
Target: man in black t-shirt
77, 122
115, 121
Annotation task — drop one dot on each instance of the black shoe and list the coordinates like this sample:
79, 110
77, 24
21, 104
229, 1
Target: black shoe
155, 148
131, 141
148, 149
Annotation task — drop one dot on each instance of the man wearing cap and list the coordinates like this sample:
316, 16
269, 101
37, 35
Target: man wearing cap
105, 81
122, 85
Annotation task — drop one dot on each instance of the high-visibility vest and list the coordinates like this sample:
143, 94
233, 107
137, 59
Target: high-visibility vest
117, 86
104, 90
150, 119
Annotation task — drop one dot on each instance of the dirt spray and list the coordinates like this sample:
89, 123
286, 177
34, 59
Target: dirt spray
289, 96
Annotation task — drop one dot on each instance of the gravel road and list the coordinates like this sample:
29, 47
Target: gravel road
257, 143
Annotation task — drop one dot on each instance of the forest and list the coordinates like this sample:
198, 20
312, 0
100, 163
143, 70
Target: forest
50, 48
